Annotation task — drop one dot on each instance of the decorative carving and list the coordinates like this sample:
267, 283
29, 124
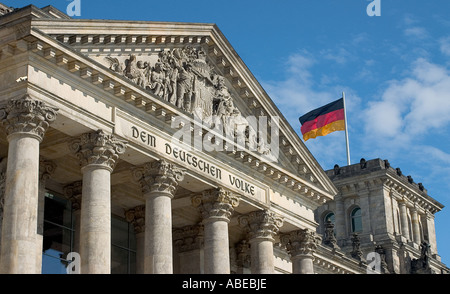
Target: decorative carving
73, 192
380, 250
301, 242
422, 264
159, 176
329, 238
363, 163
5, 9
98, 148
337, 170
184, 78
356, 252
261, 224
136, 216
46, 169
188, 238
27, 115
216, 203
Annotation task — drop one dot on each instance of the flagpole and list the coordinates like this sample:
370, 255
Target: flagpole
346, 130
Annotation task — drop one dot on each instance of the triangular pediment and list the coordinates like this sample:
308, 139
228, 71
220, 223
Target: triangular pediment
191, 69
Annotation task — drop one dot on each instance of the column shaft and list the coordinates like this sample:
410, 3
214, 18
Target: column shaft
262, 261
95, 227
216, 248
158, 232
19, 234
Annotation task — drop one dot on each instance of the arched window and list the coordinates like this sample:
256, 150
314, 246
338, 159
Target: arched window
356, 220
329, 217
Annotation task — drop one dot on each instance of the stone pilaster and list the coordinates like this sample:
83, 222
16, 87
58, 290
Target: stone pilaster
301, 246
159, 181
73, 192
98, 154
189, 241
216, 207
261, 227
25, 121
136, 216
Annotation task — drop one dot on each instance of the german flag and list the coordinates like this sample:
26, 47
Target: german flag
324, 120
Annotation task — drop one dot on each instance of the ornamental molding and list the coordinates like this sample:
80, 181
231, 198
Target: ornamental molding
159, 176
216, 203
27, 115
98, 148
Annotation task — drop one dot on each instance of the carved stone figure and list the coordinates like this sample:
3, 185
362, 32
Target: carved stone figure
134, 72
157, 80
329, 238
422, 264
183, 77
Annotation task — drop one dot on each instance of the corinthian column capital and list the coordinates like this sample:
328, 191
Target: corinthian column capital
188, 238
136, 216
98, 148
159, 176
27, 115
46, 169
261, 224
301, 242
73, 192
216, 203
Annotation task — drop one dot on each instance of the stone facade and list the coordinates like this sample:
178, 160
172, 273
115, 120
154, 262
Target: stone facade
159, 132
397, 218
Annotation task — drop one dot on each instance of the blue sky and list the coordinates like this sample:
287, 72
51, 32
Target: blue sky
393, 68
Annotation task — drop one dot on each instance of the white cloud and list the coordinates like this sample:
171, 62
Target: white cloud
416, 32
445, 45
414, 105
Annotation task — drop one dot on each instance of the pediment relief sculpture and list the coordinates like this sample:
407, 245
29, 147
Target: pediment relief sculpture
184, 78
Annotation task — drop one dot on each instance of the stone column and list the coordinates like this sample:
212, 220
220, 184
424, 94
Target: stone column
98, 154
2, 193
159, 181
25, 120
404, 219
301, 245
73, 192
261, 227
46, 169
136, 216
189, 241
415, 226
216, 207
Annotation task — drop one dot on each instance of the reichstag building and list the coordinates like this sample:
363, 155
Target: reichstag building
132, 147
